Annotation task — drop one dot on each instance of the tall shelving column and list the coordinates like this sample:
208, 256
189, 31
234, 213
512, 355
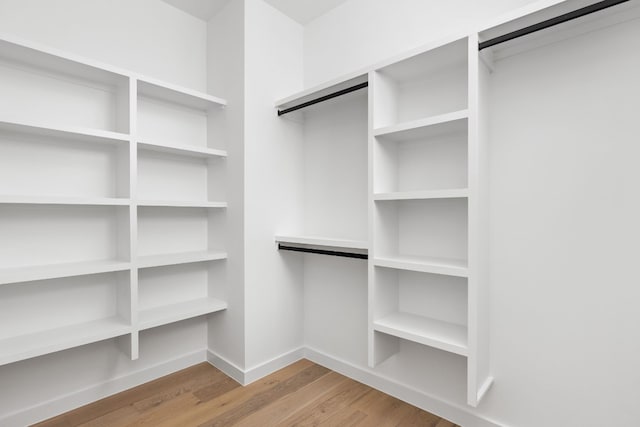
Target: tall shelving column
479, 378
427, 271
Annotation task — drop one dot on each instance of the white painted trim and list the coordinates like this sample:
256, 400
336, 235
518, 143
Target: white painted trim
263, 369
443, 408
75, 399
247, 376
229, 368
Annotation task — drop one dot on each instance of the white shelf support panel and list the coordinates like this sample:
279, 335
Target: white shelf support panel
67, 133
177, 94
324, 246
431, 332
179, 258
458, 193
182, 204
21, 347
193, 151
443, 266
164, 315
55, 271
426, 127
51, 200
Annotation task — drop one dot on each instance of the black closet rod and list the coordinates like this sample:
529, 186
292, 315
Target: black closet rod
596, 7
322, 252
324, 98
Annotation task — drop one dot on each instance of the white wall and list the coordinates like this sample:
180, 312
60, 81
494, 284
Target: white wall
273, 165
226, 65
565, 233
146, 36
360, 33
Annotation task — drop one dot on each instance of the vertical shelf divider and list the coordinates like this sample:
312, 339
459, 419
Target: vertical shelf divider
478, 375
133, 214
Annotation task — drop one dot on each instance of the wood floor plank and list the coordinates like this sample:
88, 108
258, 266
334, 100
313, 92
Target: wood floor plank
105, 406
267, 397
341, 397
302, 394
206, 411
272, 415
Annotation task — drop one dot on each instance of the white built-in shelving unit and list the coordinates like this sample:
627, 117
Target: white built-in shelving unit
427, 200
112, 203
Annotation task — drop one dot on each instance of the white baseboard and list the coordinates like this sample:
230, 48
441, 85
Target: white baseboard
99, 391
270, 366
449, 410
229, 368
445, 409
247, 376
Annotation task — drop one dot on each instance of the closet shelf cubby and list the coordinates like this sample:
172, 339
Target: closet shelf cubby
445, 266
423, 330
179, 258
425, 128
68, 133
175, 94
185, 150
322, 242
163, 315
182, 204
25, 346
53, 200
54, 271
457, 193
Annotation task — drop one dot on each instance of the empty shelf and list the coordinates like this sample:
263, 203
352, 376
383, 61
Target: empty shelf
423, 195
53, 271
177, 94
186, 150
323, 241
26, 346
431, 332
179, 258
445, 266
175, 312
425, 128
182, 204
49, 200
68, 133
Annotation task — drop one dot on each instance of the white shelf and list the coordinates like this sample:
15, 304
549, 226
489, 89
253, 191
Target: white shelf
52, 200
323, 241
181, 204
193, 151
68, 133
445, 266
431, 332
177, 94
36, 344
423, 195
54, 271
321, 90
426, 127
176, 312
179, 258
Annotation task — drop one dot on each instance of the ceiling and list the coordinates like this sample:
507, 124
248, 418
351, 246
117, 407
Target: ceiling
305, 11
302, 11
203, 9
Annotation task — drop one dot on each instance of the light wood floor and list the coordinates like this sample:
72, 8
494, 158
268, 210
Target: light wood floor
302, 394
